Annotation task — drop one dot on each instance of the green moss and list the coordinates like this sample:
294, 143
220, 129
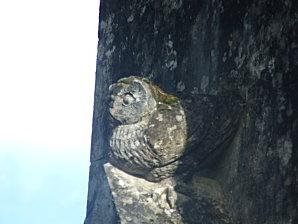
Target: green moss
170, 100
146, 80
164, 109
125, 80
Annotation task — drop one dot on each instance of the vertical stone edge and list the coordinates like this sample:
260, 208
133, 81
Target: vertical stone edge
100, 203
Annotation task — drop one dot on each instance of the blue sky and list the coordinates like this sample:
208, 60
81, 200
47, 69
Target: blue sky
47, 72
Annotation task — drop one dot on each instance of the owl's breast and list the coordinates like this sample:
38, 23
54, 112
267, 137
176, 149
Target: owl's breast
129, 149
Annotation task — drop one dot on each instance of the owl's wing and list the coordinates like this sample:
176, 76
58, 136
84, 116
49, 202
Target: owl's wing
212, 122
166, 133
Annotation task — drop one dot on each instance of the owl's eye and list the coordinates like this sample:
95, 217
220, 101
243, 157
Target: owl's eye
128, 99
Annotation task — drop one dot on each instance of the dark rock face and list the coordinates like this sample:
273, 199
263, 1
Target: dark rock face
210, 47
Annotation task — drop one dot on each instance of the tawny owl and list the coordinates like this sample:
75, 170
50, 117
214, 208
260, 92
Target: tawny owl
160, 134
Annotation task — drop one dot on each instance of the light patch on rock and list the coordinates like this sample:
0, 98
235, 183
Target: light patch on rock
170, 44
171, 64
171, 129
172, 5
195, 90
224, 58
121, 183
127, 201
204, 83
160, 117
106, 26
137, 143
130, 19
143, 10
180, 86
255, 66
171, 197
156, 194
171, 59
240, 58
132, 145
285, 146
110, 51
158, 144
179, 118
271, 65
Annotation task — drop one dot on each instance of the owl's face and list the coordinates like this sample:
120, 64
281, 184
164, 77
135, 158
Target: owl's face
131, 99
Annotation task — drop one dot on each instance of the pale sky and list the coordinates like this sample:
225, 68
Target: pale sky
47, 73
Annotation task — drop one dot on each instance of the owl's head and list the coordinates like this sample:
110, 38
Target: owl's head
131, 99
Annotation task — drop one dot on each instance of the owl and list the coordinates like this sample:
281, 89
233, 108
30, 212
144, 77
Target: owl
160, 135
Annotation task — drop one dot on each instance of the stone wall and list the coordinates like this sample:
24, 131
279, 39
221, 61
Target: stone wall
210, 47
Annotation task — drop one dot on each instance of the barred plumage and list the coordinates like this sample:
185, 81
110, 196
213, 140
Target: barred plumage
161, 135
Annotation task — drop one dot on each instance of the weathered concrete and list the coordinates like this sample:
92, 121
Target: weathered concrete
210, 47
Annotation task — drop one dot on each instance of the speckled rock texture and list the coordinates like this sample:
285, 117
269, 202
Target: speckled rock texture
141, 201
206, 47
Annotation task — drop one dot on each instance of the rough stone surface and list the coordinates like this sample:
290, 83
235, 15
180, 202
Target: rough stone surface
168, 201
210, 47
141, 201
